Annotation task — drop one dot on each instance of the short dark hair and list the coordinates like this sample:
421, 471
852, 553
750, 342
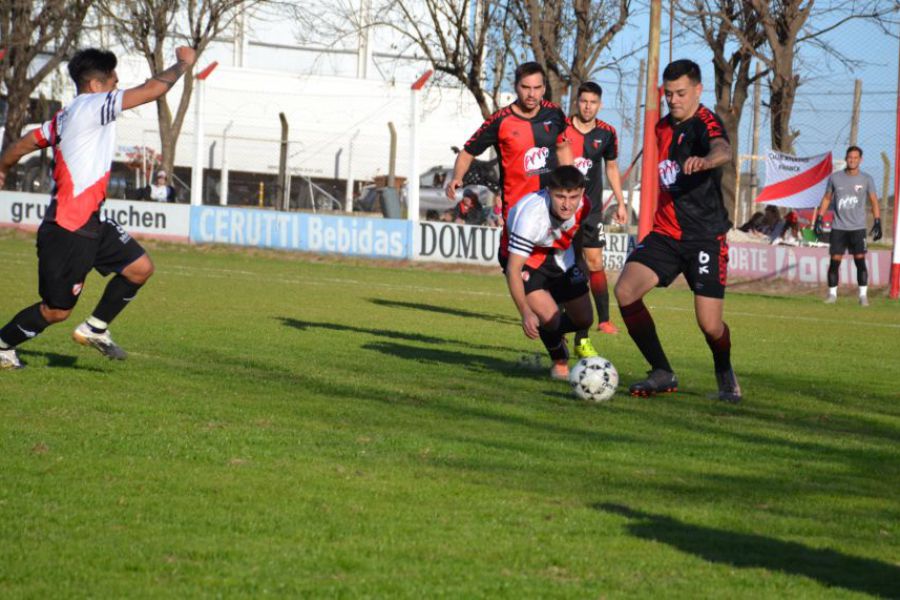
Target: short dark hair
529, 68
589, 87
566, 177
91, 63
851, 149
679, 68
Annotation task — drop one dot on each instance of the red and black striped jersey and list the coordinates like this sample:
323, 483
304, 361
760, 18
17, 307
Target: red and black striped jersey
526, 147
690, 207
590, 150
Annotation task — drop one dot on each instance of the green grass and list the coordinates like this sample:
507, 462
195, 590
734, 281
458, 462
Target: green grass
296, 426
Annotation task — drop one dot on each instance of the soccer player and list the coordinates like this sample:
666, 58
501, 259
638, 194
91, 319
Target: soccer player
688, 234
593, 148
852, 188
72, 239
542, 272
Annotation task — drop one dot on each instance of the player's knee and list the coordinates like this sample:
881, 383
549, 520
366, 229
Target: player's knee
140, 271
55, 315
625, 293
594, 262
710, 326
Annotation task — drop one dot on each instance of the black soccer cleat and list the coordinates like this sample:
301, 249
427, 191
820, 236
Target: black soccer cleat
658, 382
729, 388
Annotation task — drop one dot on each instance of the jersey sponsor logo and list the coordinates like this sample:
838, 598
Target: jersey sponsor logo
668, 172
703, 257
583, 164
846, 202
76, 289
536, 158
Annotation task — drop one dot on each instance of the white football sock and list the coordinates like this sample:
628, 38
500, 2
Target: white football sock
832, 291
863, 290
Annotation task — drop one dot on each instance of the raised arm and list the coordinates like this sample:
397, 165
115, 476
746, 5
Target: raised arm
161, 83
26, 144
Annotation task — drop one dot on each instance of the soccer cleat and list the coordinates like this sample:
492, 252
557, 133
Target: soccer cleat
863, 300
607, 327
729, 389
10, 360
830, 299
560, 370
585, 349
657, 382
103, 342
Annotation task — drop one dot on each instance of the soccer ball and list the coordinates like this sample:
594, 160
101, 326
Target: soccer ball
594, 379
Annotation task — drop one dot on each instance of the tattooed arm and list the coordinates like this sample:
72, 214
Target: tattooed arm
160, 83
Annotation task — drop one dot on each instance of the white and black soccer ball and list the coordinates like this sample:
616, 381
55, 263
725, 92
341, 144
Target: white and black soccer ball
594, 379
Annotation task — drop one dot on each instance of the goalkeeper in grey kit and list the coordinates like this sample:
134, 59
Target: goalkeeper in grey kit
847, 193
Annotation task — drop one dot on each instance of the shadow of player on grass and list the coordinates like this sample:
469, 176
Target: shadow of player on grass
57, 361
828, 567
446, 310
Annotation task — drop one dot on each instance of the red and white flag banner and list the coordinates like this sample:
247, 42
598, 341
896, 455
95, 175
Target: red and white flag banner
794, 181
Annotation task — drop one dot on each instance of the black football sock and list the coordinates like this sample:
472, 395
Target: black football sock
118, 293
721, 350
862, 272
24, 326
600, 292
554, 343
833, 267
643, 331
566, 325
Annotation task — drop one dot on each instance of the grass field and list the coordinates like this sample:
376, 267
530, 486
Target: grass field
295, 426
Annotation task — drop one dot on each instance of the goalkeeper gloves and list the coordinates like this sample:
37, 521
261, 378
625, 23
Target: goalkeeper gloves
817, 227
876, 230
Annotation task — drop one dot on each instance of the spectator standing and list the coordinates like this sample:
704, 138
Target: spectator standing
159, 190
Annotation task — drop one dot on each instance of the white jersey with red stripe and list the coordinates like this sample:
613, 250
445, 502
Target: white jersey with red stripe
83, 137
541, 237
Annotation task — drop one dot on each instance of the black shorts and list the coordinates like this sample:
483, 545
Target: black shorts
65, 259
563, 287
593, 234
853, 241
704, 263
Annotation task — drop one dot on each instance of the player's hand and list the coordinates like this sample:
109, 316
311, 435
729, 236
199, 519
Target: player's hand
530, 324
876, 226
621, 214
452, 187
186, 54
695, 164
817, 227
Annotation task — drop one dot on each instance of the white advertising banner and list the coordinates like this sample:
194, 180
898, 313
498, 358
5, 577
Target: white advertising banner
475, 245
143, 219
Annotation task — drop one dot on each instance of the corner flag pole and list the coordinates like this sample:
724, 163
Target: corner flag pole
895, 261
649, 167
412, 179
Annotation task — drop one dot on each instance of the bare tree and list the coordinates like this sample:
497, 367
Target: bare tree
467, 40
31, 32
569, 37
734, 33
151, 27
788, 26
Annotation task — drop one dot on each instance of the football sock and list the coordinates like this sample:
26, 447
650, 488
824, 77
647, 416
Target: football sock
554, 343
832, 291
118, 293
566, 325
643, 331
863, 290
600, 292
862, 273
24, 326
833, 267
721, 349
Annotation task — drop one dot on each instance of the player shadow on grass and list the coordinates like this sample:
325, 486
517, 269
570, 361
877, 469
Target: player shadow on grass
56, 361
446, 310
743, 550
473, 362
385, 333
